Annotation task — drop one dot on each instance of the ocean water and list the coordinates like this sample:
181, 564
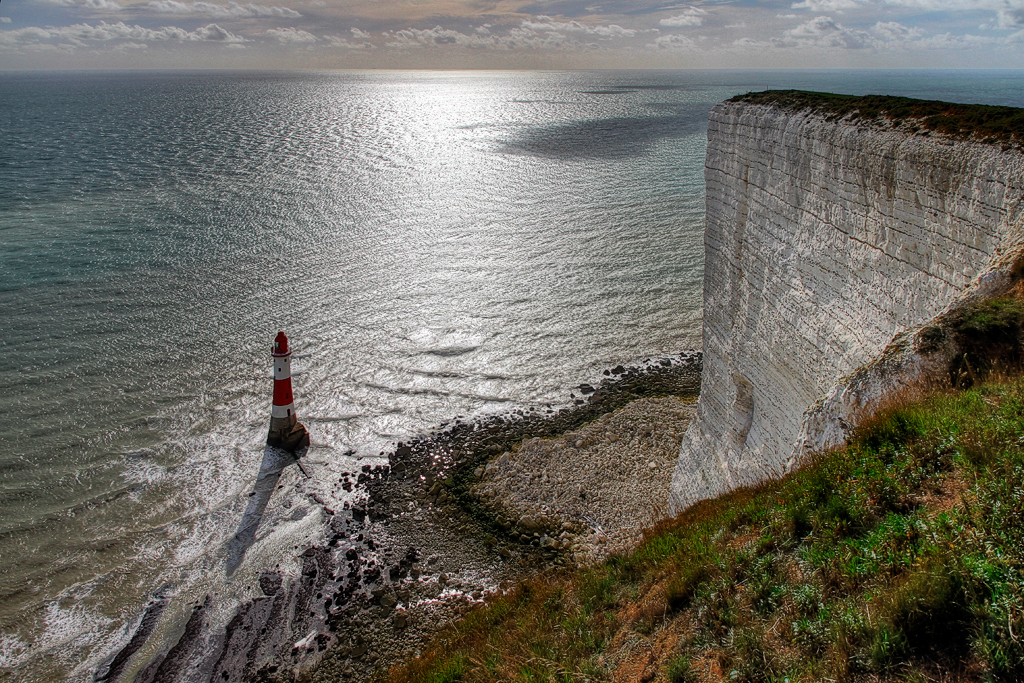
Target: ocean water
435, 245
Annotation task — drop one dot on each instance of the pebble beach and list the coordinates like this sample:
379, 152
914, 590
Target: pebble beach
593, 490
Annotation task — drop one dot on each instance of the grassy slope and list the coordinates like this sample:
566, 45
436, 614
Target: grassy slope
978, 121
899, 557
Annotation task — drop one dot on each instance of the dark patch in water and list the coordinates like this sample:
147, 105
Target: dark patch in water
612, 138
656, 87
449, 351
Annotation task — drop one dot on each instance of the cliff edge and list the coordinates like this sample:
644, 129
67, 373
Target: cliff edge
837, 229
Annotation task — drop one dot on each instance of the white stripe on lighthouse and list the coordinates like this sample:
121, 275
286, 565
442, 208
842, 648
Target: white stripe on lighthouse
282, 411
282, 368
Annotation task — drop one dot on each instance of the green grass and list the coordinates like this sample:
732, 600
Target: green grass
983, 122
897, 557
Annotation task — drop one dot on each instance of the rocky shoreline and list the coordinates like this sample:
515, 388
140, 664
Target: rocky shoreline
460, 546
456, 515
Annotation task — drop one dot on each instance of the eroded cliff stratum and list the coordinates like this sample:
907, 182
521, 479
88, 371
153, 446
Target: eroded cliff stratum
834, 234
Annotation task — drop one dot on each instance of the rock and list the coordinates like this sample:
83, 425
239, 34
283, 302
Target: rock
531, 522
270, 583
930, 216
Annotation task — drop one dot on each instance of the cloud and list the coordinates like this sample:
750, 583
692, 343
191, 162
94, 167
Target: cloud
232, 10
84, 35
948, 41
828, 5
5, 20
673, 42
345, 44
547, 24
438, 35
523, 37
824, 31
212, 32
694, 16
894, 32
1011, 18
1009, 13
90, 4
951, 5
291, 35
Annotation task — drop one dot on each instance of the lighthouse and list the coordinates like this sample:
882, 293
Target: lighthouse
285, 430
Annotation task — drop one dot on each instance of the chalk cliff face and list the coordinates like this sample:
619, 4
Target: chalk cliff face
824, 242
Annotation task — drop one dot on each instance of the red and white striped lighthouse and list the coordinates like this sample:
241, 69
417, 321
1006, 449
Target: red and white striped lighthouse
285, 430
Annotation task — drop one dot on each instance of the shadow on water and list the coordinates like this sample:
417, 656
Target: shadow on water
611, 138
274, 462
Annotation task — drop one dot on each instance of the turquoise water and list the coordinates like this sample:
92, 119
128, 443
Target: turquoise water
435, 244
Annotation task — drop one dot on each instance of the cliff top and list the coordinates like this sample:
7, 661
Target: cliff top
965, 121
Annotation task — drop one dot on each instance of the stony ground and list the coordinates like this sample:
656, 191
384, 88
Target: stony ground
592, 490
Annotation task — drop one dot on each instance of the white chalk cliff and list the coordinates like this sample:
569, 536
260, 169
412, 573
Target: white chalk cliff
827, 244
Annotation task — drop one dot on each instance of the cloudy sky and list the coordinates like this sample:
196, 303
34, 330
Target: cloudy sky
510, 34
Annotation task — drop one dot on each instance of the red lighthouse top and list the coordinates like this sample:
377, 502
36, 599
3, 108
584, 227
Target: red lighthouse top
280, 346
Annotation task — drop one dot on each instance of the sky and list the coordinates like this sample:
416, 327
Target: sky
510, 34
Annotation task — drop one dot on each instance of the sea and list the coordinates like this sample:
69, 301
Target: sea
437, 245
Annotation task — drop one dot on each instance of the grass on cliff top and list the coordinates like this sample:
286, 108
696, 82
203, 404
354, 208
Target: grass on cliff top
979, 121
899, 557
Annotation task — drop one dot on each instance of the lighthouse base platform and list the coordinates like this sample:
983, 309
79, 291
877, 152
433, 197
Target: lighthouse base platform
287, 433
